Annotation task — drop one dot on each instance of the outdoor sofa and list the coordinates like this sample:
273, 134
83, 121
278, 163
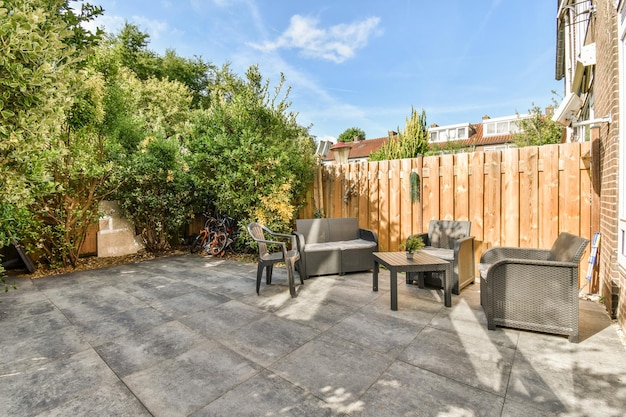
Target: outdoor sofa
334, 246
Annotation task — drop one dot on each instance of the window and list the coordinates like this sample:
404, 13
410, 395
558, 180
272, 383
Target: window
447, 133
502, 126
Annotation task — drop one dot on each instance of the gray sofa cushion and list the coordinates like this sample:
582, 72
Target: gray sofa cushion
343, 229
315, 231
441, 253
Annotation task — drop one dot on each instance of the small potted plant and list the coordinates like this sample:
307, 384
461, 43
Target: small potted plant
413, 244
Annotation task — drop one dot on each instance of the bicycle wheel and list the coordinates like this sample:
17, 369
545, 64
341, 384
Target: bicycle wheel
218, 244
198, 243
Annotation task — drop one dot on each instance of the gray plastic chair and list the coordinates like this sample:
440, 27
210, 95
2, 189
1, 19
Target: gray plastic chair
267, 259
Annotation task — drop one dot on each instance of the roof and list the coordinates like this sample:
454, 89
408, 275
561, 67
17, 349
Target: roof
361, 149
477, 139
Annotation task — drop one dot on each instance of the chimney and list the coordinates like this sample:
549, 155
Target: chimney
549, 110
434, 125
486, 117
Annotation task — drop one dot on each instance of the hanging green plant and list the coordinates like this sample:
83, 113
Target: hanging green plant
414, 178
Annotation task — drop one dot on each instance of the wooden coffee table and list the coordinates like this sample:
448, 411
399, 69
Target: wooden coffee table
421, 262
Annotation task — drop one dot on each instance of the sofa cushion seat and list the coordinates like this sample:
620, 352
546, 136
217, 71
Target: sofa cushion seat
323, 247
356, 244
441, 253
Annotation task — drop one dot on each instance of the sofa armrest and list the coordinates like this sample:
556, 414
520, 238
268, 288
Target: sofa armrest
368, 234
464, 251
300, 241
533, 263
493, 255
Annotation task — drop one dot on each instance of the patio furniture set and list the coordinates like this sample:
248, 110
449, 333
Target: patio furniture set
530, 289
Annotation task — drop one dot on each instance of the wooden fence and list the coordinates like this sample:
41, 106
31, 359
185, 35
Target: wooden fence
516, 197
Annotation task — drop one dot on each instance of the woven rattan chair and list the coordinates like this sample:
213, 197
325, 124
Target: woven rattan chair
533, 289
288, 255
449, 240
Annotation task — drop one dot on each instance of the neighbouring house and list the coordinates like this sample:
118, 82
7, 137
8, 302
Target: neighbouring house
489, 134
590, 58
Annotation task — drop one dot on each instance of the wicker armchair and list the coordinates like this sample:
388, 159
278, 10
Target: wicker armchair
533, 289
449, 240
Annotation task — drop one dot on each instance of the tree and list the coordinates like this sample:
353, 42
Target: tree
250, 155
82, 174
538, 129
349, 134
130, 46
411, 142
43, 45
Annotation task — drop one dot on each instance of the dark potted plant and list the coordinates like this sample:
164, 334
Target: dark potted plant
412, 244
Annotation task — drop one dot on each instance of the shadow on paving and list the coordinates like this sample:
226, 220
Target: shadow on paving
189, 336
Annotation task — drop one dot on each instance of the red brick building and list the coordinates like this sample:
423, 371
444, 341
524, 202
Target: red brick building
591, 52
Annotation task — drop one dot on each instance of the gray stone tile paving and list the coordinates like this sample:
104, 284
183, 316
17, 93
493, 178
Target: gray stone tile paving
188, 336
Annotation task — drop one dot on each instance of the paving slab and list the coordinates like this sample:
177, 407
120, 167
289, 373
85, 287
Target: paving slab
189, 336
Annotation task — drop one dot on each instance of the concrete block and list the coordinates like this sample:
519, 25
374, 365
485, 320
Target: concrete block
116, 236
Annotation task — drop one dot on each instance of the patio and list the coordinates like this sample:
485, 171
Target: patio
188, 336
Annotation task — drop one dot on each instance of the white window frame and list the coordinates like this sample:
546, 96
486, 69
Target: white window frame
441, 134
502, 126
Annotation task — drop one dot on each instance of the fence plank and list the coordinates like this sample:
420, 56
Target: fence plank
416, 207
395, 206
363, 196
493, 198
461, 187
477, 196
383, 204
569, 189
510, 197
529, 197
446, 187
406, 208
549, 193
430, 179
373, 197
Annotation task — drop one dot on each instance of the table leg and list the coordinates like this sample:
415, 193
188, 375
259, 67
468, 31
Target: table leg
447, 291
375, 277
393, 278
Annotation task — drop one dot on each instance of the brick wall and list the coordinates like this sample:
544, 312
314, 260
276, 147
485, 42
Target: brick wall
606, 92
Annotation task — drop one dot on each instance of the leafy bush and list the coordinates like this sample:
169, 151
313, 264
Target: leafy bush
250, 155
157, 194
538, 129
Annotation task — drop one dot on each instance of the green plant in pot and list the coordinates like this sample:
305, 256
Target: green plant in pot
412, 244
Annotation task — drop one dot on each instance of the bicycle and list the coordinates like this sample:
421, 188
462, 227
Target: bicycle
216, 235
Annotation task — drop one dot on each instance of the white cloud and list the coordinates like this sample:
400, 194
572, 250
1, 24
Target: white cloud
113, 24
337, 43
154, 27
110, 24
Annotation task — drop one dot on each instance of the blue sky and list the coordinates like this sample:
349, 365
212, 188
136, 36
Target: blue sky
366, 63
